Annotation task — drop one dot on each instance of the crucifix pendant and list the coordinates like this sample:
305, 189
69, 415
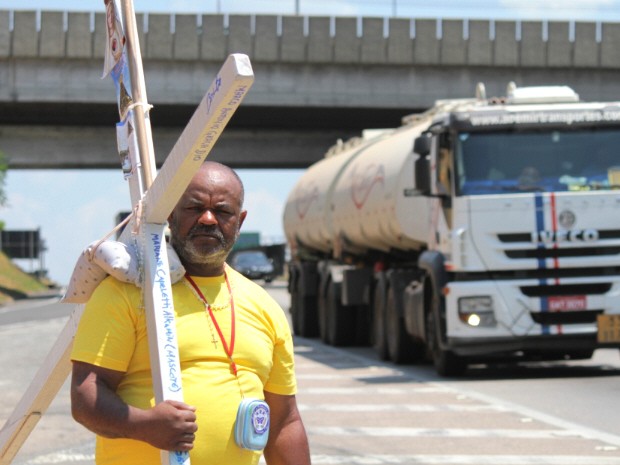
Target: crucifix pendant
214, 340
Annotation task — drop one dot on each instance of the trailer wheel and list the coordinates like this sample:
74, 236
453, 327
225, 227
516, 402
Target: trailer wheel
379, 332
340, 321
322, 315
363, 325
294, 310
306, 316
401, 348
293, 290
446, 362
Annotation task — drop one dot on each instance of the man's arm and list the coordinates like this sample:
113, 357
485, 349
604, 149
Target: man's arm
288, 443
170, 425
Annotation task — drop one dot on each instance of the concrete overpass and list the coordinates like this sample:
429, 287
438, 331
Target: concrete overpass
317, 78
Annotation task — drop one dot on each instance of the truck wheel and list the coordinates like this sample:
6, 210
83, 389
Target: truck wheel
322, 317
307, 325
379, 336
294, 310
446, 362
401, 348
363, 325
340, 321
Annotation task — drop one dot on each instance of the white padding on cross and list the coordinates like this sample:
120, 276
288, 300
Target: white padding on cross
103, 258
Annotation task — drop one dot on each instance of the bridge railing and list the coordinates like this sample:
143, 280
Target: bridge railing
318, 40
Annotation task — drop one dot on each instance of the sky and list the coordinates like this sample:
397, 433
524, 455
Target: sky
72, 208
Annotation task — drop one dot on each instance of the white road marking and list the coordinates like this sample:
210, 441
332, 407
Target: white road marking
442, 432
400, 408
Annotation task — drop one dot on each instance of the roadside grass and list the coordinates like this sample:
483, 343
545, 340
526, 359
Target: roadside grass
16, 283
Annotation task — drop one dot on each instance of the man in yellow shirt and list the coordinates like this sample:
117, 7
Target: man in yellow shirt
234, 340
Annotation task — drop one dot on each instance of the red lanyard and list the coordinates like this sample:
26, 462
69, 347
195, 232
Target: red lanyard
228, 350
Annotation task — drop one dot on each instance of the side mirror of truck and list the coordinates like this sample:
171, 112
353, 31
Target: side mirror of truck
423, 175
422, 146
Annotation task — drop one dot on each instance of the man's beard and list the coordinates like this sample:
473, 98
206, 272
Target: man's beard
190, 253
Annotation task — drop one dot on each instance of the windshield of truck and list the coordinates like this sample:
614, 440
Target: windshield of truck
544, 161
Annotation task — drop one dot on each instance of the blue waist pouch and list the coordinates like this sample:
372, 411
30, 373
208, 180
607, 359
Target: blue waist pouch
252, 424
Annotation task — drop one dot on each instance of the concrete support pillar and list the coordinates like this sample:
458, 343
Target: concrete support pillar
320, 43
373, 43
346, 42
587, 49
158, 38
79, 37
426, 44
213, 41
506, 52
399, 42
453, 45
5, 34
533, 48
293, 43
52, 35
610, 52
100, 36
239, 34
559, 47
186, 38
25, 34
266, 40
479, 46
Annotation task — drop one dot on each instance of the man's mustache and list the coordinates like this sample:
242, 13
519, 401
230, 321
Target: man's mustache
211, 230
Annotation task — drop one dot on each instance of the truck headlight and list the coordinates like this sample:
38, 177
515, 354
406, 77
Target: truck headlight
477, 311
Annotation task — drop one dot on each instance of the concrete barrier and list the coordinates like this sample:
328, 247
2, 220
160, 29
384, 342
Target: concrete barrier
341, 40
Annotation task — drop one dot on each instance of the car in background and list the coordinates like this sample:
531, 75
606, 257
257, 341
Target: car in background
253, 264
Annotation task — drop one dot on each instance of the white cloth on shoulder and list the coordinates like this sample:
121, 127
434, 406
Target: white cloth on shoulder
103, 258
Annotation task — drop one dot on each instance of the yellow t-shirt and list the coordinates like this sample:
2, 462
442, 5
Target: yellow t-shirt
112, 334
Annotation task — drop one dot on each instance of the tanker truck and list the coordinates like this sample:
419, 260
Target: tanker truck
482, 230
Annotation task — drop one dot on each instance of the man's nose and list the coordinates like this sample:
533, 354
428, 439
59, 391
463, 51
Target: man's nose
207, 217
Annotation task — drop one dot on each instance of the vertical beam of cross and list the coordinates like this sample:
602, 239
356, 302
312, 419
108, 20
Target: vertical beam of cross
157, 196
225, 94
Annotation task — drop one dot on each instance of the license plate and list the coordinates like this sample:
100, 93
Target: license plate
567, 303
608, 328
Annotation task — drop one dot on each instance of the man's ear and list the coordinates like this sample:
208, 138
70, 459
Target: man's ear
242, 216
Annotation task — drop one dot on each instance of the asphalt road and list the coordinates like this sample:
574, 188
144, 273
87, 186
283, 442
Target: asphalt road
360, 410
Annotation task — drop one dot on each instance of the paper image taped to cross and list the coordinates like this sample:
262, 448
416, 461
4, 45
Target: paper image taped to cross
153, 198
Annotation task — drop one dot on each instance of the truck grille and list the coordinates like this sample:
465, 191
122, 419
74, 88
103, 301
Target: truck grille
527, 237
562, 253
566, 289
549, 251
565, 318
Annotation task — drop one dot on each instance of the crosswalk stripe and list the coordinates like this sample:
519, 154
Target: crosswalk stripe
442, 432
463, 460
400, 408
67, 456
366, 391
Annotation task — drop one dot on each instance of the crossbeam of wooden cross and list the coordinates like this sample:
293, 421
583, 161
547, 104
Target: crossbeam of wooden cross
153, 198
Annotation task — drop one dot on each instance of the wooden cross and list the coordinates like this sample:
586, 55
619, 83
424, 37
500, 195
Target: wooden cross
156, 196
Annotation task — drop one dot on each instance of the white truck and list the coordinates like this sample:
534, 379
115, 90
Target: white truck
482, 230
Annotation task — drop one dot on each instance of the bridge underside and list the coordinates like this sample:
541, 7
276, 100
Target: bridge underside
81, 136
317, 79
